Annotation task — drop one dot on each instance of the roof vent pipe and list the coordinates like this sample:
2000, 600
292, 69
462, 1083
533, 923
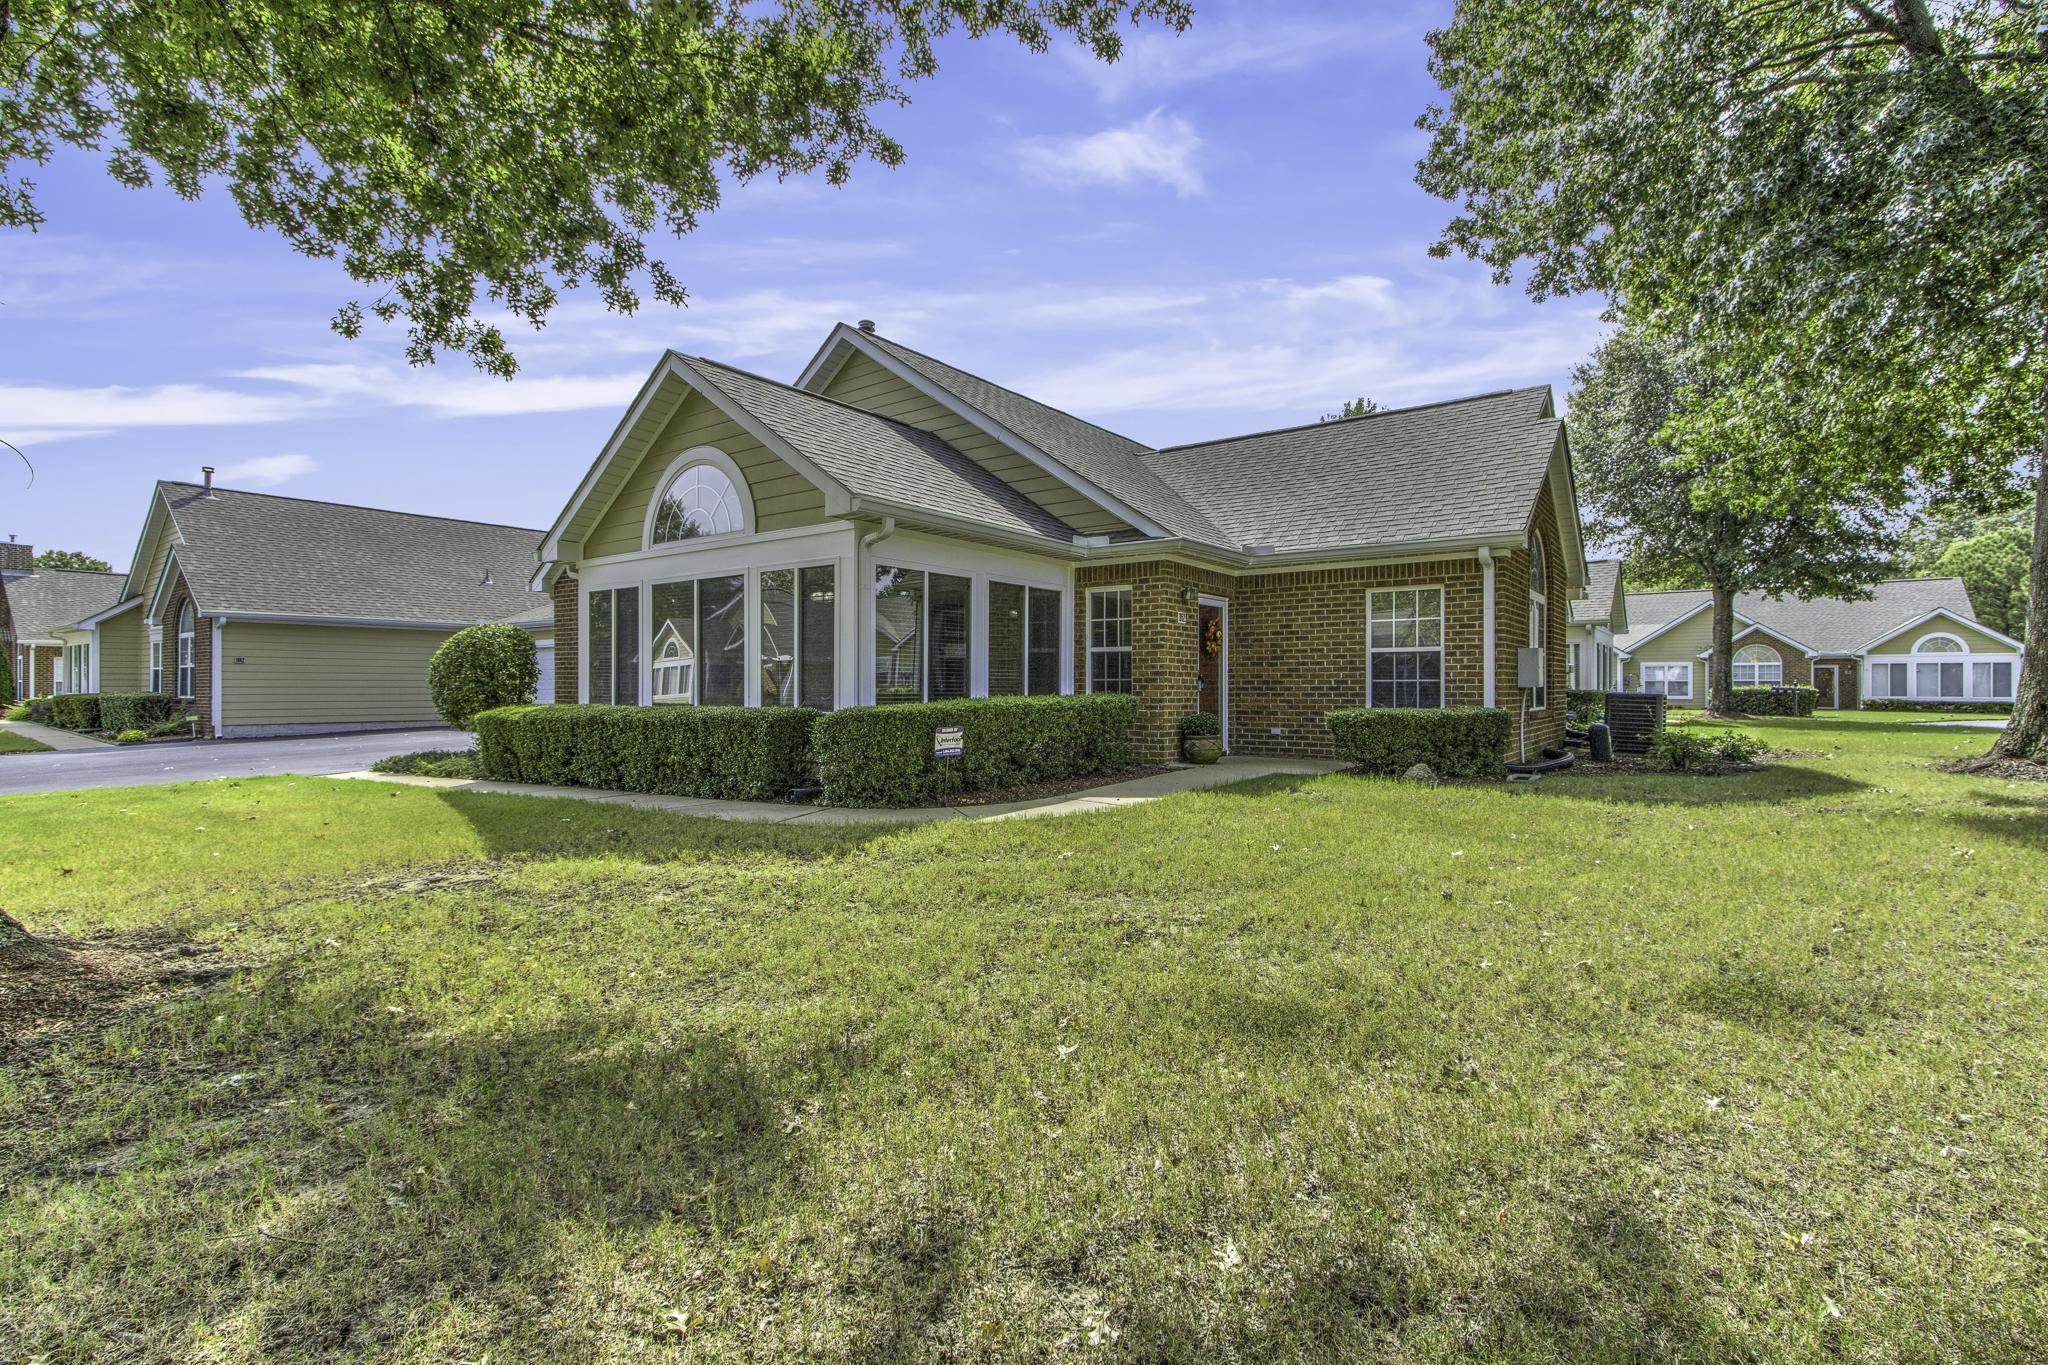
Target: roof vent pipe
206, 474
868, 325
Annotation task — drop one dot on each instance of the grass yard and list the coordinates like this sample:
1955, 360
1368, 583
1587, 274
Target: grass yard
12, 743
1619, 1068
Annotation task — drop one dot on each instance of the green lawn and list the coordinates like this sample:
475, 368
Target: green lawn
12, 743
1622, 1068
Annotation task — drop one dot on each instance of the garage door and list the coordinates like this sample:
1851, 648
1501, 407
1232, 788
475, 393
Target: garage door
546, 652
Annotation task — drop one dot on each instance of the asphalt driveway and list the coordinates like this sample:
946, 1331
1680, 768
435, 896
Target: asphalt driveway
148, 764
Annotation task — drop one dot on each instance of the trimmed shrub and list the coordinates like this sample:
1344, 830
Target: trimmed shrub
1200, 723
430, 763
1455, 741
482, 668
131, 737
76, 711
733, 753
1955, 708
134, 710
882, 755
6, 673
40, 710
1588, 703
1773, 701
176, 724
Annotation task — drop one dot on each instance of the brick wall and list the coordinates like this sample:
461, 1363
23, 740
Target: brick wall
1849, 673
568, 654
1164, 642
201, 704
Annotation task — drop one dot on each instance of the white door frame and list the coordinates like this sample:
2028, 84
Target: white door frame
1222, 660
1835, 669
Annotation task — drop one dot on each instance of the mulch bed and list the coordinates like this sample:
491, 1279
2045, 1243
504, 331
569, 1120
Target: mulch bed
2012, 769
65, 987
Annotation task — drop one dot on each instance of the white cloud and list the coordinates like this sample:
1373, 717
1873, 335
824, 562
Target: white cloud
268, 471
1159, 147
47, 412
1156, 60
451, 392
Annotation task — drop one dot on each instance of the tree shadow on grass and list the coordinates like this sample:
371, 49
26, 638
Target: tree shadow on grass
335, 1182
1775, 784
565, 827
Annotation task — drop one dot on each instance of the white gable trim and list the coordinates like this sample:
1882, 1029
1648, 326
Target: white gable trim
676, 367
1760, 628
827, 362
1945, 614
92, 622
156, 599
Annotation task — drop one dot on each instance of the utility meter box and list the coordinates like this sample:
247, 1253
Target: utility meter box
1529, 666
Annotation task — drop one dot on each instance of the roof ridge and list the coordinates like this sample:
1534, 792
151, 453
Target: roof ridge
97, 573
351, 506
882, 417
1017, 393
1342, 421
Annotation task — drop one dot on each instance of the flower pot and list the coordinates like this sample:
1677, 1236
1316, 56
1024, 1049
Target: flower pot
1202, 749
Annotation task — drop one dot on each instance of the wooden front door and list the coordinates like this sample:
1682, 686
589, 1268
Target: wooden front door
1210, 650
1826, 682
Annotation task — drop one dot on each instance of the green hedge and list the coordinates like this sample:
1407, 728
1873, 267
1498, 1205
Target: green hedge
882, 755
134, 710
1457, 741
733, 753
75, 711
40, 710
1956, 708
1772, 701
1589, 702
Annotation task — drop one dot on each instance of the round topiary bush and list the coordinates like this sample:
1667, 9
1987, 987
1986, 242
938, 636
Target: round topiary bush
480, 668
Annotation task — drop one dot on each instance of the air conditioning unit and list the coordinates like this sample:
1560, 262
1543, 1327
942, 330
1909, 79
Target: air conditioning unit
1529, 666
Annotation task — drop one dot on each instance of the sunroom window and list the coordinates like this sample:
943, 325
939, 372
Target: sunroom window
698, 638
614, 634
1023, 640
797, 630
922, 635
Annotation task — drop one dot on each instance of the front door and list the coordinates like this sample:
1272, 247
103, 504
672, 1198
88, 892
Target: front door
1826, 682
1212, 652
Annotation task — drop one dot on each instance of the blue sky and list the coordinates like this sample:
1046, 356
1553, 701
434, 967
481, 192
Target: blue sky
1220, 234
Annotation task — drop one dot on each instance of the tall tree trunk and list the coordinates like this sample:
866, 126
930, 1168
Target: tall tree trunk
2026, 736
1721, 655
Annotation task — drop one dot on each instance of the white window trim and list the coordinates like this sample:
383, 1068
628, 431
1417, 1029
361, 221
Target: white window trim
1962, 645
977, 627
1967, 660
187, 657
983, 584
1539, 621
1443, 640
1735, 664
724, 464
1686, 665
156, 658
1088, 635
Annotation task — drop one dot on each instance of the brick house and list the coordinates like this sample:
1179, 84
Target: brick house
48, 651
1911, 639
891, 527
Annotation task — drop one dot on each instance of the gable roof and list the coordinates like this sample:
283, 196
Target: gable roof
1829, 625
1468, 468
260, 554
1097, 462
880, 458
50, 600
1603, 591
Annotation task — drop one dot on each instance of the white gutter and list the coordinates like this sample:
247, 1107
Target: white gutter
874, 538
1486, 620
214, 663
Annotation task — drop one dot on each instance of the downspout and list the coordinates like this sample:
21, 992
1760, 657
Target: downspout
863, 628
1486, 620
874, 538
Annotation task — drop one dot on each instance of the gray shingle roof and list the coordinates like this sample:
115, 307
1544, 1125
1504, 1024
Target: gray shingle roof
1828, 625
1115, 464
270, 555
1603, 576
1466, 468
878, 457
50, 599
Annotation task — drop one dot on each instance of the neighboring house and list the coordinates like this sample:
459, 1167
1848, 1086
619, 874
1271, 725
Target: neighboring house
39, 614
1913, 639
267, 615
892, 528
1592, 660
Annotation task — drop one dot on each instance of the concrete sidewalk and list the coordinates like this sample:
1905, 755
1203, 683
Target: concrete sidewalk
60, 740
1135, 792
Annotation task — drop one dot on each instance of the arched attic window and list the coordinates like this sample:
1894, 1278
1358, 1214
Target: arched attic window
1758, 666
1939, 643
703, 494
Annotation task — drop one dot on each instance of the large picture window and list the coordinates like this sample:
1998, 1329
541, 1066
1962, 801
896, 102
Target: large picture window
613, 629
187, 622
697, 642
1758, 666
797, 627
1109, 640
1405, 663
923, 637
1669, 680
1023, 640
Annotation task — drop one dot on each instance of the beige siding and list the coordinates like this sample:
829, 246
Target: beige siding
1683, 643
1977, 640
146, 588
863, 382
325, 675
782, 497
124, 652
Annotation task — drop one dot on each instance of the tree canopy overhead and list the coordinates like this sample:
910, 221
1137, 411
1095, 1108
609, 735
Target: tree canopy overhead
470, 157
71, 559
1847, 197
